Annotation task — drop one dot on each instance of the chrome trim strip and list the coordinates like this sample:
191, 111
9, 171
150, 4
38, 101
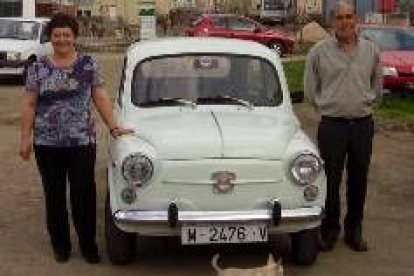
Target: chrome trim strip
142, 217
237, 182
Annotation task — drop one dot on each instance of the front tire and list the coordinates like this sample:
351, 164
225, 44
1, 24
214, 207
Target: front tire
305, 246
23, 76
278, 48
120, 245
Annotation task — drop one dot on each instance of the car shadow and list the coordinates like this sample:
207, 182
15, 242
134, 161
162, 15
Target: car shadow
13, 81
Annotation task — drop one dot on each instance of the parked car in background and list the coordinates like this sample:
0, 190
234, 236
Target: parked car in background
217, 154
397, 55
240, 27
22, 41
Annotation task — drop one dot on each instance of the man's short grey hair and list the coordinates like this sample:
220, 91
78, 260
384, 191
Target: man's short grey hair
342, 4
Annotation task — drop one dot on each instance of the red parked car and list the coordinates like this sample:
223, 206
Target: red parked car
235, 26
397, 55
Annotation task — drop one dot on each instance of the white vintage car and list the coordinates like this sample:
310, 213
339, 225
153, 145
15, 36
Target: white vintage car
217, 154
22, 41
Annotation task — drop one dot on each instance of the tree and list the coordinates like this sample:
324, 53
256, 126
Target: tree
403, 5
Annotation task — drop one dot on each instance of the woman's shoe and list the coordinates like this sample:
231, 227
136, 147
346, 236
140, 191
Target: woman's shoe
62, 257
92, 258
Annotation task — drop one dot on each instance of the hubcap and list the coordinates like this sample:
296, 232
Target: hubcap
277, 48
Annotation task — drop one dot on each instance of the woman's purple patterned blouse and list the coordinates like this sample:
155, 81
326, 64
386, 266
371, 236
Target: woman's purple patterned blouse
63, 115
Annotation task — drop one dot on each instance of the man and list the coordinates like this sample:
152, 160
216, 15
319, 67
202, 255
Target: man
343, 82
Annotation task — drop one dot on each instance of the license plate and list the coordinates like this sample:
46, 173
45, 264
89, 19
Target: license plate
209, 234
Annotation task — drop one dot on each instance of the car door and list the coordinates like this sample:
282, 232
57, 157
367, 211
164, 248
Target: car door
45, 47
218, 27
241, 28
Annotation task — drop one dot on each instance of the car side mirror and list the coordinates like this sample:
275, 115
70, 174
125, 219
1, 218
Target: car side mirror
257, 30
297, 96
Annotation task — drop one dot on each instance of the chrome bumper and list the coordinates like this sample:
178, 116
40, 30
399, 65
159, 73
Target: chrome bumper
164, 217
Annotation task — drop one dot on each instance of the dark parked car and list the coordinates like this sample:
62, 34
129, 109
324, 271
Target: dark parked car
235, 26
397, 55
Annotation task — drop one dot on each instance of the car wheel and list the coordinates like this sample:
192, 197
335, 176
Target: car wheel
277, 47
23, 77
120, 245
305, 246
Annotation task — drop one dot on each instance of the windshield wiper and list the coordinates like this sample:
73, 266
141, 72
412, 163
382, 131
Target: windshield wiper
169, 101
220, 98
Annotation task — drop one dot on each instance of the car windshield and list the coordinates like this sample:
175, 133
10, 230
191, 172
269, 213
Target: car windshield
25, 30
206, 79
391, 38
273, 5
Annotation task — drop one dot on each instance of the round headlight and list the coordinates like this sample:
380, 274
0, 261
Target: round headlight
305, 168
137, 169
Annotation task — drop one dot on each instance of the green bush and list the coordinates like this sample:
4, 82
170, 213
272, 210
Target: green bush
294, 74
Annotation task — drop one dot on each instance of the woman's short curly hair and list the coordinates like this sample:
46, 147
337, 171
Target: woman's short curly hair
62, 20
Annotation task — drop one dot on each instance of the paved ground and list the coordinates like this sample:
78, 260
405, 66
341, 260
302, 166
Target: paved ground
24, 248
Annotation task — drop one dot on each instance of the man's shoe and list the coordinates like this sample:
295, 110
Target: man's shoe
356, 244
90, 254
62, 257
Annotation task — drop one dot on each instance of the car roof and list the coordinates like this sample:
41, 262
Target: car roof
221, 15
189, 45
35, 19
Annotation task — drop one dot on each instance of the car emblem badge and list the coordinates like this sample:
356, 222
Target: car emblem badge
223, 182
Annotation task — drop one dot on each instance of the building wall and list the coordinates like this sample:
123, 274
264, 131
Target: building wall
163, 6
362, 9
128, 9
309, 6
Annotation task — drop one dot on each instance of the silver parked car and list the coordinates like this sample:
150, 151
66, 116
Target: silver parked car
217, 154
22, 41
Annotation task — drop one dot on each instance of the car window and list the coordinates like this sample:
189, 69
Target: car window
24, 30
273, 5
218, 22
390, 38
197, 21
261, 83
44, 38
198, 77
241, 24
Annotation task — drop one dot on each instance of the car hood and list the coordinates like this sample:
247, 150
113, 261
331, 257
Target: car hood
397, 58
15, 45
215, 134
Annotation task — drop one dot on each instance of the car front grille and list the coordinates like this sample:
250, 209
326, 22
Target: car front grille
3, 55
247, 171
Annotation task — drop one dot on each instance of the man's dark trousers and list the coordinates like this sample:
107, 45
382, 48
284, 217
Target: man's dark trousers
345, 141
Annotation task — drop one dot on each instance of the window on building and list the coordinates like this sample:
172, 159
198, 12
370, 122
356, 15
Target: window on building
11, 8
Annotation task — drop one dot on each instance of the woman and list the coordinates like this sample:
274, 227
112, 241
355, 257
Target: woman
57, 107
